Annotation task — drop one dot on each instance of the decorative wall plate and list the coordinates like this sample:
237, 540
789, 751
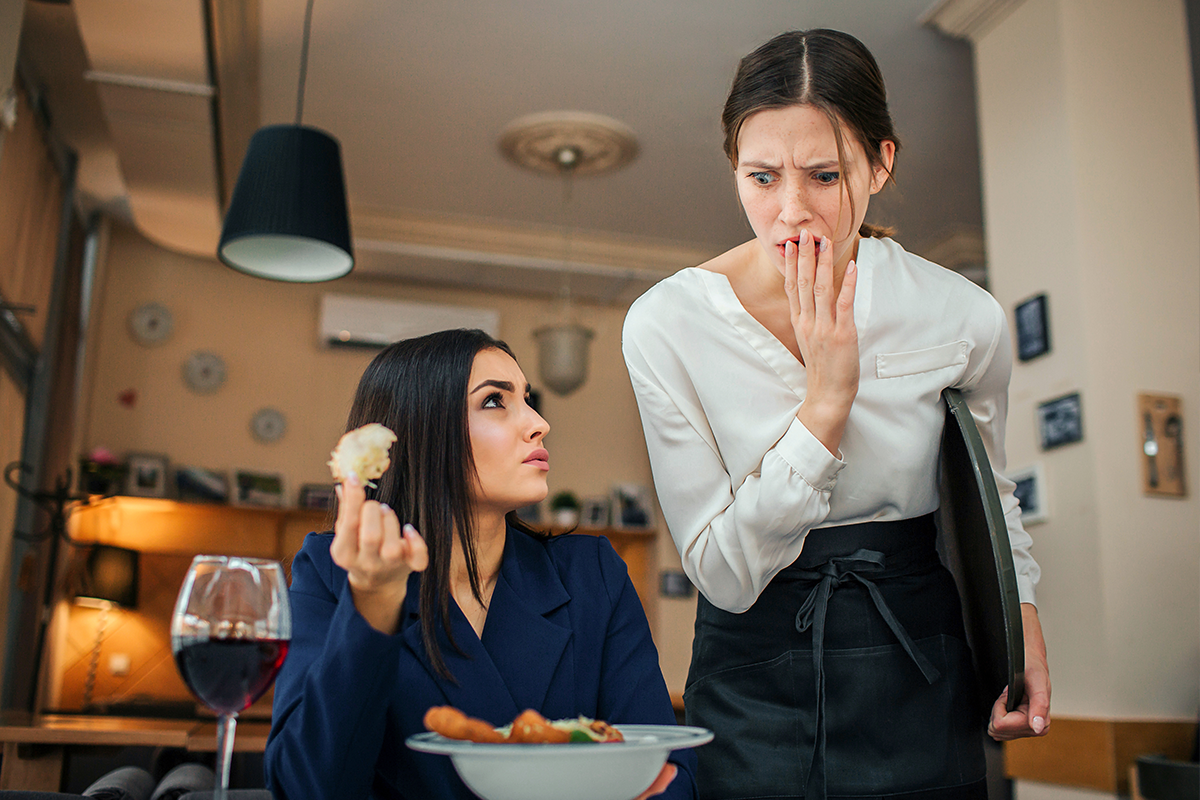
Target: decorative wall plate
268, 424
204, 372
150, 324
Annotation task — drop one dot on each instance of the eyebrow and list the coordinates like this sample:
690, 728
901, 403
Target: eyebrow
820, 165
503, 385
506, 386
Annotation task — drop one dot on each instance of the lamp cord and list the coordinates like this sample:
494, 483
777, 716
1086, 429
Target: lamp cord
303, 62
89, 684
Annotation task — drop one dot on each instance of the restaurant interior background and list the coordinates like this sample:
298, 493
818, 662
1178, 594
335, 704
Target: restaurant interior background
1050, 149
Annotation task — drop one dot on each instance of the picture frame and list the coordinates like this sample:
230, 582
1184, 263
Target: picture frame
594, 513
631, 507
200, 485
1032, 323
1060, 421
257, 489
1031, 492
102, 477
146, 475
317, 496
1161, 443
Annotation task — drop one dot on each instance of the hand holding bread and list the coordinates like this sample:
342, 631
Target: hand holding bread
369, 542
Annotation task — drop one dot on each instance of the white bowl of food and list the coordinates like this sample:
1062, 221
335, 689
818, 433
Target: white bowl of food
592, 771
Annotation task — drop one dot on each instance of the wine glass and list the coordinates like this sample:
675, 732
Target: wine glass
230, 633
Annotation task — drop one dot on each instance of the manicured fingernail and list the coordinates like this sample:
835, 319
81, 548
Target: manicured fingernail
409, 530
789, 247
353, 480
385, 506
804, 236
1039, 724
824, 244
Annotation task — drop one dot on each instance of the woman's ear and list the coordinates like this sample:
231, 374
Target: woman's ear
882, 171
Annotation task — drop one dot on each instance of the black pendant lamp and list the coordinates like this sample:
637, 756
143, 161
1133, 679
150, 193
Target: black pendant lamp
288, 220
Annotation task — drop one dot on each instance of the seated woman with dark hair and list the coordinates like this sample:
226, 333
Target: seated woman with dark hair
477, 611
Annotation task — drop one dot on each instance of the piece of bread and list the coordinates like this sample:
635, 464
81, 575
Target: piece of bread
364, 452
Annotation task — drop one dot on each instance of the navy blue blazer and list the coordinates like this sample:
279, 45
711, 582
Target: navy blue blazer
565, 635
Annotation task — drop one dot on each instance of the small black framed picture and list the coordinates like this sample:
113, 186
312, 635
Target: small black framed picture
199, 485
146, 475
1033, 328
1060, 421
594, 513
1031, 492
631, 507
262, 489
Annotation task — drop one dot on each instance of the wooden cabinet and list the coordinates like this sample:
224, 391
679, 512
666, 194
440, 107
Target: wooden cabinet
167, 534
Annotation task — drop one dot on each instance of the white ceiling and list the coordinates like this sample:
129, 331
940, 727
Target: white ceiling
418, 93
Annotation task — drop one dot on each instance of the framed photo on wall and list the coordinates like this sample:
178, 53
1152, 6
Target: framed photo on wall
1033, 328
1031, 492
594, 513
199, 485
147, 475
1060, 421
631, 507
260, 489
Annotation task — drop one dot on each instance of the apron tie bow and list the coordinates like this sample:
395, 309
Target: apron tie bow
832, 574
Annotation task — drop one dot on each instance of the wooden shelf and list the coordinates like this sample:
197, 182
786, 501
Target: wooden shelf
156, 525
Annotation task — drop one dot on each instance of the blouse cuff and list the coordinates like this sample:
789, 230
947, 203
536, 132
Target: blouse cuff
808, 458
1025, 590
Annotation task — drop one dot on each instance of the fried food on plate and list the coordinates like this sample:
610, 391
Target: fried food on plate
453, 724
363, 451
529, 727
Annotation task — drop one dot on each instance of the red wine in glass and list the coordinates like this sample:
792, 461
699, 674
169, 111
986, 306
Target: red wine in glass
228, 675
230, 633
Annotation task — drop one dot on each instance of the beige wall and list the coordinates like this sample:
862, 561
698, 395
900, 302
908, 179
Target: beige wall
267, 334
1090, 169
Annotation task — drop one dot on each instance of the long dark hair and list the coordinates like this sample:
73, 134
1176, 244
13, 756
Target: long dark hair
826, 69
418, 389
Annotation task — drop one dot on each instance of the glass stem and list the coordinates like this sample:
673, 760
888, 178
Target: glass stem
226, 724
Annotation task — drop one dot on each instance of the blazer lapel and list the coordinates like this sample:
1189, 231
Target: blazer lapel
478, 688
526, 634
527, 630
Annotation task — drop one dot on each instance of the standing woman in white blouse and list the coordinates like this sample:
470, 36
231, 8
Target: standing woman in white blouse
790, 392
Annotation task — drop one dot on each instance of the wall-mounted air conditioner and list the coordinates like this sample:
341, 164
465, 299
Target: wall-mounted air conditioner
372, 322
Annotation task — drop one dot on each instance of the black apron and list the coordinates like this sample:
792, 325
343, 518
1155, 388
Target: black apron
850, 676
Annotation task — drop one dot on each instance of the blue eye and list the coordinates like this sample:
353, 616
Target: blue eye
827, 178
762, 178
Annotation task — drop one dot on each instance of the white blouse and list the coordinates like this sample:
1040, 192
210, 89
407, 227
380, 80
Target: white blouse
741, 481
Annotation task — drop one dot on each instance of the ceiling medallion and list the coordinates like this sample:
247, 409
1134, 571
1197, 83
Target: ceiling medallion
576, 141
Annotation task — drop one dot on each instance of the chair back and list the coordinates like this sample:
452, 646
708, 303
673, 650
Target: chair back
1161, 778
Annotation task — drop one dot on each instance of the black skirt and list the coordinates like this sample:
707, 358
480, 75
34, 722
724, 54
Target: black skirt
850, 676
